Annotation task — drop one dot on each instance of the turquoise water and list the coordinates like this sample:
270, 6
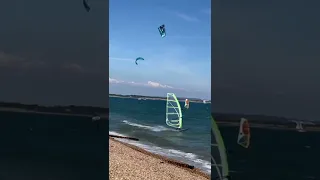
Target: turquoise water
145, 119
38, 146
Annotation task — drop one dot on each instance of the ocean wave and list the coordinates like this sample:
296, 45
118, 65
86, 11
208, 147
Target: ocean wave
185, 157
157, 128
116, 134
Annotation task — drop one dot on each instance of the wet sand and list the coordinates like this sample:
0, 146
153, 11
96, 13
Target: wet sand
128, 162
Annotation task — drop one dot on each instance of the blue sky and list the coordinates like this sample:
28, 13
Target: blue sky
180, 62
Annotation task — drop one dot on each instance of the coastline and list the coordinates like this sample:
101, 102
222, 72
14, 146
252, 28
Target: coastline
21, 110
253, 123
290, 127
18, 110
127, 161
157, 98
223, 119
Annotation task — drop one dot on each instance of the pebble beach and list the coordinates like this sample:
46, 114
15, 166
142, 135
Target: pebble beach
128, 162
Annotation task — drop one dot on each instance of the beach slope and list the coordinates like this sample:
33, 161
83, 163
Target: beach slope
127, 162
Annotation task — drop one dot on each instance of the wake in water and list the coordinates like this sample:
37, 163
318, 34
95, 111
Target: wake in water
129, 117
157, 128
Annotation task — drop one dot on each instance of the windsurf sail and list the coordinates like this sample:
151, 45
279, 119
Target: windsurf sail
244, 133
173, 111
219, 159
186, 104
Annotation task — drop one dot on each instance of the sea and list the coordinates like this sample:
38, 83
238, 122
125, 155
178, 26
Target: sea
45, 146
145, 120
273, 154
52, 147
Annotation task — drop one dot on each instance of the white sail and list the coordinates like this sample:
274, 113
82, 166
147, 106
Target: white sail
186, 104
244, 136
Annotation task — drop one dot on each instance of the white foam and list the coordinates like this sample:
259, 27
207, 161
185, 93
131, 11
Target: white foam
115, 133
151, 128
185, 157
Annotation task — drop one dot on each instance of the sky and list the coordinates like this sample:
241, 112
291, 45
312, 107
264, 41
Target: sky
266, 58
178, 63
265, 54
54, 52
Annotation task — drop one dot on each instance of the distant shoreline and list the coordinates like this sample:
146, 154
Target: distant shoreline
181, 99
222, 119
35, 112
270, 126
80, 111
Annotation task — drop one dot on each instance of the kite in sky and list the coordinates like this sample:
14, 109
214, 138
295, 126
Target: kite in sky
162, 30
139, 58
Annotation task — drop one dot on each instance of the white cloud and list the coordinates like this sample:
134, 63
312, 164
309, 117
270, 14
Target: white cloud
172, 64
114, 81
169, 64
148, 84
187, 17
158, 85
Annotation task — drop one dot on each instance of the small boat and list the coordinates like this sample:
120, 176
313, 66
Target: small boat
96, 118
